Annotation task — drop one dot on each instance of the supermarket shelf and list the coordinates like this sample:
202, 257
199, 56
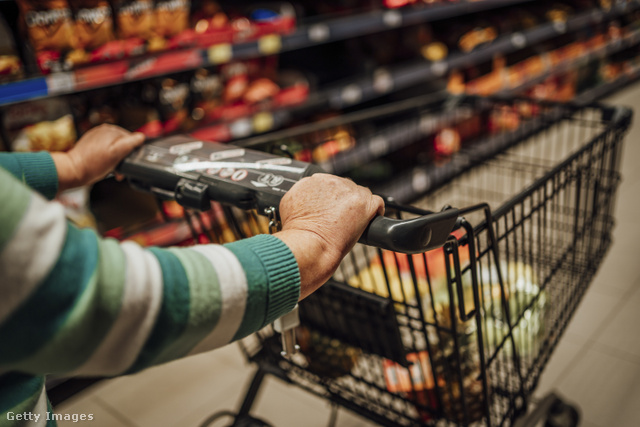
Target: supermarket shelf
366, 23
594, 94
384, 81
244, 127
133, 69
610, 48
421, 179
390, 139
409, 131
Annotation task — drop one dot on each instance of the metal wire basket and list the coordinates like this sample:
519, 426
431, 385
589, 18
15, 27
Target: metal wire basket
460, 335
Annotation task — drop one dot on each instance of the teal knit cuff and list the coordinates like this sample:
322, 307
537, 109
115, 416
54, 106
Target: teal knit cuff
273, 278
38, 171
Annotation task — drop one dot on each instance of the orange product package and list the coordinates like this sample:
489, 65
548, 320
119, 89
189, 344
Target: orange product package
48, 24
93, 23
134, 19
171, 17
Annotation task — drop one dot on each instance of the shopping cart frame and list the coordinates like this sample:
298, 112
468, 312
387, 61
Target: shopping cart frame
595, 201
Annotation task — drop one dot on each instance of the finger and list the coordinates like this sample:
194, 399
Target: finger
128, 142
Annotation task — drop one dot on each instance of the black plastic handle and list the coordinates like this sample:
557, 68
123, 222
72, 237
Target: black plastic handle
410, 236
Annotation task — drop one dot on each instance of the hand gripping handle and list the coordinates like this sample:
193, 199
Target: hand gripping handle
410, 236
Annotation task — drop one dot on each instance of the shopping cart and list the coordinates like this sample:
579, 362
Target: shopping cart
459, 334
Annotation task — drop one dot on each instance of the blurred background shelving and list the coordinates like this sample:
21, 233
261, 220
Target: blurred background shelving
367, 89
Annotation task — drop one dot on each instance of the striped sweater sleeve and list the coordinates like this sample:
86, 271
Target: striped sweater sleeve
34, 169
74, 303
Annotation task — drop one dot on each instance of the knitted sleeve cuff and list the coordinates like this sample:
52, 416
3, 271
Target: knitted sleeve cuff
273, 278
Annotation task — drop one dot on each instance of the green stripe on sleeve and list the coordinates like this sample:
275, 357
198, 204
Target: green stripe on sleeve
37, 170
90, 318
18, 393
15, 199
50, 422
273, 279
205, 303
42, 315
174, 311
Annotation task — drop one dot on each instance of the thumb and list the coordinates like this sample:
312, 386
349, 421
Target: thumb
379, 203
125, 144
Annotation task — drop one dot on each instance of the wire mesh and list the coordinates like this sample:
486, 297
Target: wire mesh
460, 335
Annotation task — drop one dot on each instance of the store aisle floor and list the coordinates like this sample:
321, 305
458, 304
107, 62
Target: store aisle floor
596, 365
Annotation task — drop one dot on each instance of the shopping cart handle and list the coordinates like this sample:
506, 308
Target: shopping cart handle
410, 236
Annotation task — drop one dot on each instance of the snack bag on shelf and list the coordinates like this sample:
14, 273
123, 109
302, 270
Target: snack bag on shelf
40, 125
173, 98
206, 95
10, 64
134, 24
49, 27
170, 24
94, 31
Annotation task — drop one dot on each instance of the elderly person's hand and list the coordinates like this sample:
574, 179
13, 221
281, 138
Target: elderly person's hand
94, 156
323, 216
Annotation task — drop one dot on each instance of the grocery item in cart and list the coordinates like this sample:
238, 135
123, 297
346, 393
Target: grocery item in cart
452, 364
528, 305
326, 356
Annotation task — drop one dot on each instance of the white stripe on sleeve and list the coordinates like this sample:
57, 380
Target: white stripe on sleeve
40, 409
233, 289
142, 298
32, 252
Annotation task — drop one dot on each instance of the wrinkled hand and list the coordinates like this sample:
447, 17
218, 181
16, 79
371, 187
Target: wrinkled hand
323, 216
94, 156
